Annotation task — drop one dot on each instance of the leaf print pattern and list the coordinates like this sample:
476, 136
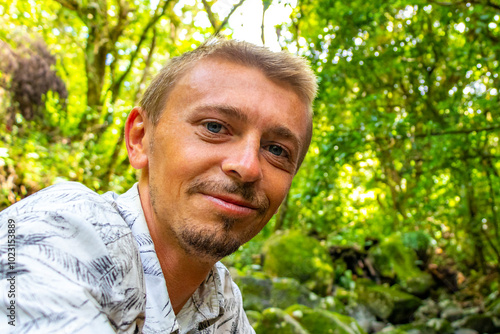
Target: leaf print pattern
85, 263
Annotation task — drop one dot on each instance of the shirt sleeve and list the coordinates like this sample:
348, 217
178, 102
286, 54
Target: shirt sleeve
68, 269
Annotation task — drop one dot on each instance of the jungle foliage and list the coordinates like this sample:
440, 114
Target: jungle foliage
407, 118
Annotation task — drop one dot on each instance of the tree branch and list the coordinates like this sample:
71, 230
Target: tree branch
147, 66
117, 30
70, 4
115, 86
210, 14
73, 5
435, 133
455, 132
227, 17
488, 3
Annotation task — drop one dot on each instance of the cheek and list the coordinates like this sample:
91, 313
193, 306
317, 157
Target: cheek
182, 159
277, 187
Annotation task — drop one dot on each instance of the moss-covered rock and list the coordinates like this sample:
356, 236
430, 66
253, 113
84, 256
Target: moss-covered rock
417, 329
441, 326
294, 255
345, 296
388, 303
393, 330
332, 304
482, 323
393, 260
288, 291
253, 317
276, 321
256, 292
365, 318
451, 310
324, 322
432, 326
418, 283
428, 310
421, 243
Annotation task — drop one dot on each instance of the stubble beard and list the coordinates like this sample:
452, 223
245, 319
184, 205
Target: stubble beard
212, 243
209, 243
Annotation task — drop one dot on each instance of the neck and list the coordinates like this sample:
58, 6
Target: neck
183, 272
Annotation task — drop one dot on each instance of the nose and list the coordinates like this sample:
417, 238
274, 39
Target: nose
243, 161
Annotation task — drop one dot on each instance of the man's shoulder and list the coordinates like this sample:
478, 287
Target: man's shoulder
76, 253
61, 197
66, 206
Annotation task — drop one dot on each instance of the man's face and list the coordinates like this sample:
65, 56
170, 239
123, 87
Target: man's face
222, 157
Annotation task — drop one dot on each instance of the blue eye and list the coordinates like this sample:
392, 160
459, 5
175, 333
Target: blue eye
213, 127
276, 150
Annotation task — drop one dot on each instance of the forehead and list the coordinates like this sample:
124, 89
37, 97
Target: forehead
223, 80
261, 102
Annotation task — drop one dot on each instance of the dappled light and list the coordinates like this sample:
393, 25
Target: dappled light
402, 177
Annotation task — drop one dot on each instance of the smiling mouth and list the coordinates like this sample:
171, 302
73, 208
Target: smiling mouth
231, 206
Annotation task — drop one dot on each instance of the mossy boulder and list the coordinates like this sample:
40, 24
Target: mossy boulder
428, 310
393, 330
260, 294
451, 310
419, 283
253, 317
432, 326
256, 292
388, 304
392, 259
324, 322
276, 321
345, 296
288, 291
441, 326
292, 254
482, 323
421, 243
332, 304
416, 329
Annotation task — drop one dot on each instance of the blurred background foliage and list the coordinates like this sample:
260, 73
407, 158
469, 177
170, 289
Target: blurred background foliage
407, 120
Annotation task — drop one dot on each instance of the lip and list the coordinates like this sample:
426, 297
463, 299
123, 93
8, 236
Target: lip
231, 205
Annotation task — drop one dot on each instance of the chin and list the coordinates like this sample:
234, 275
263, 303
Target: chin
210, 244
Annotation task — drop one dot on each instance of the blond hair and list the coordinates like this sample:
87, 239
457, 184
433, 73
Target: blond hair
277, 66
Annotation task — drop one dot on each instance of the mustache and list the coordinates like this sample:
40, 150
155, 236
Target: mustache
244, 190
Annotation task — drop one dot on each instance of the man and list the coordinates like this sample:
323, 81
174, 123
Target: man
219, 135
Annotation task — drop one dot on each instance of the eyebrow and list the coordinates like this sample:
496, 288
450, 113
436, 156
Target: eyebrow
230, 111
227, 110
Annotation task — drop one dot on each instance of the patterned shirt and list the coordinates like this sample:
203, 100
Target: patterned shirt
73, 261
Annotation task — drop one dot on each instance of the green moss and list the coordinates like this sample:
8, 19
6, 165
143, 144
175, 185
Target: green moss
393, 260
324, 322
276, 321
333, 304
255, 292
253, 317
419, 241
441, 326
288, 291
388, 303
295, 255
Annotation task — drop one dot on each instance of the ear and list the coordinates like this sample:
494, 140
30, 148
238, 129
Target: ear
136, 138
